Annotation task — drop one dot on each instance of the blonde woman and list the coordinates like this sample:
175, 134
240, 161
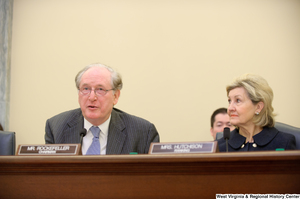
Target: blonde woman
250, 110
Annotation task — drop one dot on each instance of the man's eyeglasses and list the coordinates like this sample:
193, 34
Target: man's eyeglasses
98, 91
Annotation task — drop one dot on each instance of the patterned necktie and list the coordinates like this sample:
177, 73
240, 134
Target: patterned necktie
94, 149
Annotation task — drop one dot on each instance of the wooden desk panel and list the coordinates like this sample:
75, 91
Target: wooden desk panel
149, 176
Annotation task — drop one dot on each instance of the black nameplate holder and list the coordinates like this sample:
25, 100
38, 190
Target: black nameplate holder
49, 149
184, 147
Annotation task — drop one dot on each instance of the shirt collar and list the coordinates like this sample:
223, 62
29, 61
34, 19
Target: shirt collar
236, 140
265, 136
103, 127
262, 138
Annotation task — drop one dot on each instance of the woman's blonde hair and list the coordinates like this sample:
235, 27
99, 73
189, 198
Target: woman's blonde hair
258, 90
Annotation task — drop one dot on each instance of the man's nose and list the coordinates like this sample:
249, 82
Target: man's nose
92, 95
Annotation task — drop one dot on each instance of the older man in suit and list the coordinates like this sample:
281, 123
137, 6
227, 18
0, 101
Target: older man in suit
109, 130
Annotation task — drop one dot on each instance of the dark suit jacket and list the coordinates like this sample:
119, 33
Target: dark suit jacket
269, 139
127, 133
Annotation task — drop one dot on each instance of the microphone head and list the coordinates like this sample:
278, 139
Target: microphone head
226, 133
82, 132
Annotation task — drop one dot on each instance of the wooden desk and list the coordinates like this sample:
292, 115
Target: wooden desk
149, 176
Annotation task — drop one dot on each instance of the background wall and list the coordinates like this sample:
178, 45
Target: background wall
176, 58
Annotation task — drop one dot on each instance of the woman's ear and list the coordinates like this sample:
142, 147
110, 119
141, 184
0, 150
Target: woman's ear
260, 106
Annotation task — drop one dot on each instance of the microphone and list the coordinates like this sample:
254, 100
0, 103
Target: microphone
82, 134
226, 136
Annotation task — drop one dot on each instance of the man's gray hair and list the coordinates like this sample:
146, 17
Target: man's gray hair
116, 79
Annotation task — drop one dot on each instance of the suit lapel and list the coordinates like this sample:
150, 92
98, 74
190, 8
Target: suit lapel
74, 125
116, 135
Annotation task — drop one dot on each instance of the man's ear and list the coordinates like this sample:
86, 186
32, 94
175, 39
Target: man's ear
211, 132
116, 95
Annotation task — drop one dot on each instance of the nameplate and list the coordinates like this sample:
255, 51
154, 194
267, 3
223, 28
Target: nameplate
49, 149
184, 147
